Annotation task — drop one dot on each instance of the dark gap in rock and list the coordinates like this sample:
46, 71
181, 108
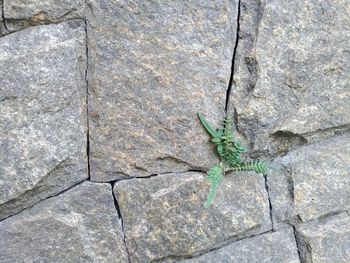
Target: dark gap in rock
87, 99
269, 200
33, 25
287, 140
326, 216
51, 196
230, 83
224, 243
304, 249
121, 220
116, 202
152, 175
3, 23
326, 133
196, 170
23, 23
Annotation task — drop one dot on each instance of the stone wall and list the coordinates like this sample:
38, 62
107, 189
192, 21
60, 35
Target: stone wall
102, 157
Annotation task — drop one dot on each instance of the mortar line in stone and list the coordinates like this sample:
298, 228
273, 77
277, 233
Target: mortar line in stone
230, 83
117, 207
87, 99
46, 198
297, 245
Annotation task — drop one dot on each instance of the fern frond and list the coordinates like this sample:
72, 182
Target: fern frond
228, 136
229, 150
212, 132
215, 177
221, 151
232, 157
256, 166
240, 148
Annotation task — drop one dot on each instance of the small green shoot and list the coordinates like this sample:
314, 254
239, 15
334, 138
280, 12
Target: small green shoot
230, 150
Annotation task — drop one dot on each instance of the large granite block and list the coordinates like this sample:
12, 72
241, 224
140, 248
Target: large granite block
291, 73
325, 241
153, 66
164, 217
80, 225
311, 182
42, 113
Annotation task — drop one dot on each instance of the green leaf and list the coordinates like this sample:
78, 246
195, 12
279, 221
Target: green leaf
213, 133
215, 177
256, 166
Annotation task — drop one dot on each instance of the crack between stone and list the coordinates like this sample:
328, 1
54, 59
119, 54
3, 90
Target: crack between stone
230, 83
269, 199
303, 246
49, 197
338, 131
297, 245
51, 23
24, 23
225, 244
3, 16
151, 176
117, 207
87, 99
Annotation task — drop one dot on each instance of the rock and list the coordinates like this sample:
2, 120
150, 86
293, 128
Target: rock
164, 217
2, 25
325, 241
311, 182
153, 67
22, 14
80, 225
42, 114
268, 248
291, 76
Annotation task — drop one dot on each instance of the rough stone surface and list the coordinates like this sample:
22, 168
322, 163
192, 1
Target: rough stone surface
153, 67
268, 248
2, 25
292, 84
42, 113
326, 241
164, 217
119, 83
312, 181
20, 14
80, 225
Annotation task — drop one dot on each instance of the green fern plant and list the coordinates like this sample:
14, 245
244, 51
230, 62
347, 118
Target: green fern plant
229, 150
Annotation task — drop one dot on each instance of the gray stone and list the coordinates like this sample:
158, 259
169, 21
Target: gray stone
326, 241
80, 225
154, 65
42, 113
311, 182
268, 248
2, 25
21, 14
164, 217
291, 74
